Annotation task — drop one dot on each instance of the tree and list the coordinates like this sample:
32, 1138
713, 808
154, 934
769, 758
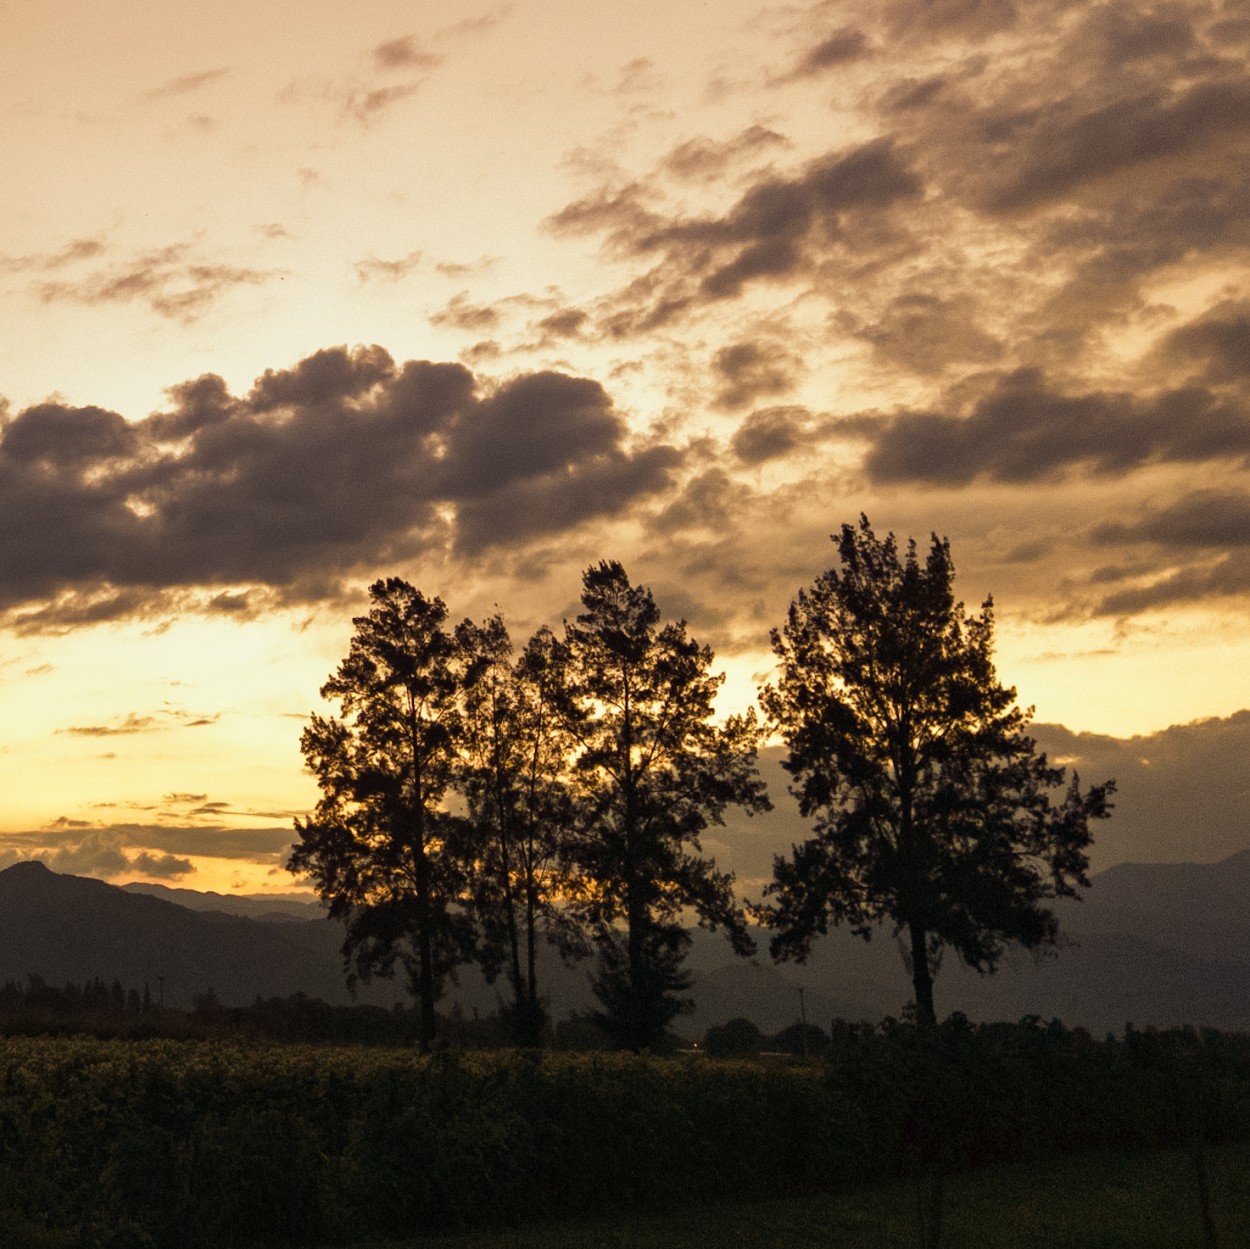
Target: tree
514, 769
380, 848
932, 809
652, 773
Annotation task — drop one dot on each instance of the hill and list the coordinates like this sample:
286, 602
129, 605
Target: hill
1150, 943
70, 928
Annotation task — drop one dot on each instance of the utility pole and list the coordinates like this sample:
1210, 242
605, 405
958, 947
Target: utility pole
803, 1019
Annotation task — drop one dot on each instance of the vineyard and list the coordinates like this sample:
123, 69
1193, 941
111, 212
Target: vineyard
115, 1143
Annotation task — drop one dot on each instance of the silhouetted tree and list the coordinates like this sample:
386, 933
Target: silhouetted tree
932, 809
653, 771
380, 848
514, 770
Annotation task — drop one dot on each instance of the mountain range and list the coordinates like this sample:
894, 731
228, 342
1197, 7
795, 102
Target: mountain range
1163, 944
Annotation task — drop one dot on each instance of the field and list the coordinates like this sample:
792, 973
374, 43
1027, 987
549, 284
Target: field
115, 1144
1094, 1201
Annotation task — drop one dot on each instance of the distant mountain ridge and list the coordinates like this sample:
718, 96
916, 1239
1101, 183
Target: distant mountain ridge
253, 906
1150, 943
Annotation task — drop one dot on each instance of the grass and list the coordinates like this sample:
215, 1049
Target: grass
1088, 1201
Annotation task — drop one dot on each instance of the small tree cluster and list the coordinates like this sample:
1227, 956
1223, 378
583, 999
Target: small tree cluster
586, 768
590, 765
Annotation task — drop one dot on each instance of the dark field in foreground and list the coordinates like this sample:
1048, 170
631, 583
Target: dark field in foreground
1092, 1201
214, 1145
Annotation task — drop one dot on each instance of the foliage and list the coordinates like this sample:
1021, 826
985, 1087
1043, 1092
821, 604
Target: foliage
738, 1038
932, 809
652, 773
380, 849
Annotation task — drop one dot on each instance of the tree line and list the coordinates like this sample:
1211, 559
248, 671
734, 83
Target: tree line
477, 800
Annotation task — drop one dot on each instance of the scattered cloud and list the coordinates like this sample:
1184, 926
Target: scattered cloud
170, 280
387, 270
781, 229
404, 52
131, 724
187, 84
367, 103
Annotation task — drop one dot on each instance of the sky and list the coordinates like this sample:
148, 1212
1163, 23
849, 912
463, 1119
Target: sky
299, 296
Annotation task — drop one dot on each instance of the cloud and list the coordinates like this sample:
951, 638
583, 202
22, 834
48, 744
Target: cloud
1182, 792
461, 314
838, 48
404, 53
778, 230
1063, 150
929, 334
187, 84
1217, 578
1024, 431
135, 723
72, 253
131, 724
164, 866
125, 850
339, 464
1203, 518
1215, 345
967, 19
752, 370
770, 434
367, 103
390, 270
168, 279
705, 160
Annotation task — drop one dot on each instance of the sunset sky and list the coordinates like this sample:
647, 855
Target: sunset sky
295, 296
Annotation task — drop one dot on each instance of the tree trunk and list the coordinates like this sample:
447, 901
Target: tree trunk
921, 977
425, 952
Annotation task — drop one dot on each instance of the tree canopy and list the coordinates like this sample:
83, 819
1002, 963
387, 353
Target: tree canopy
932, 809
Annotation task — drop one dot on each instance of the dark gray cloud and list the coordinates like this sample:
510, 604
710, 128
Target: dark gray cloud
1203, 518
1024, 430
752, 370
929, 334
566, 323
846, 44
1048, 155
345, 461
163, 866
770, 434
1216, 345
1222, 577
